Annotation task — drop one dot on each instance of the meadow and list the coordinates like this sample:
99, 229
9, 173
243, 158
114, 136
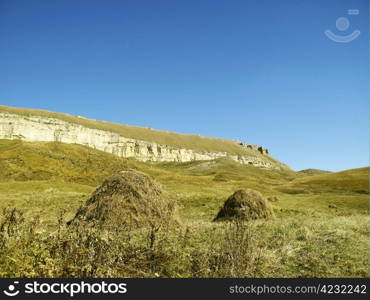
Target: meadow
320, 227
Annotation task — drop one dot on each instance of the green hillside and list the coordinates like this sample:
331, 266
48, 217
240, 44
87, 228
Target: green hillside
24, 161
319, 229
355, 180
197, 185
312, 172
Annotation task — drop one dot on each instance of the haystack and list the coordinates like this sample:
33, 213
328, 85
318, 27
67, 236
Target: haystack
245, 204
127, 199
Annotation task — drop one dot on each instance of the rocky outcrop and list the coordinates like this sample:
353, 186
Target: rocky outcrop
260, 149
42, 129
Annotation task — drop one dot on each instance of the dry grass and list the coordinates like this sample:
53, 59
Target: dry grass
311, 246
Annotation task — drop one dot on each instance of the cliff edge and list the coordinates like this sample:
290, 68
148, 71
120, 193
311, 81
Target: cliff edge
150, 145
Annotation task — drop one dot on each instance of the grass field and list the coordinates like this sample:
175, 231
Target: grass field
320, 227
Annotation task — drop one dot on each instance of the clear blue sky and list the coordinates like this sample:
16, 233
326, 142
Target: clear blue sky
254, 70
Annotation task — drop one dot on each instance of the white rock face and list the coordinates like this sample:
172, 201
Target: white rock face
41, 129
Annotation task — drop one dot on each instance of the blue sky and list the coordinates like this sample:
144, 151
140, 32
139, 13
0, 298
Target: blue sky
254, 70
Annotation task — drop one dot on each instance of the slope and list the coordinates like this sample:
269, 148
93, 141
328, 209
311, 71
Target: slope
354, 180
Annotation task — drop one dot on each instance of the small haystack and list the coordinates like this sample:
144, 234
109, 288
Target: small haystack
245, 204
127, 199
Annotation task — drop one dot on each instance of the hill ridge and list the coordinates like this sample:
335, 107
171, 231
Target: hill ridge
39, 125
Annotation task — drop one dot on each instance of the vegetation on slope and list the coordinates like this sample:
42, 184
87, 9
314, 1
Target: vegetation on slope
22, 161
355, 180
306, 172
320, 227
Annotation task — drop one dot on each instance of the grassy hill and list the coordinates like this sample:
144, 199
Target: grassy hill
320, 228
24, 161
176, 140
192, 183
312, 172
355, 180
198, 186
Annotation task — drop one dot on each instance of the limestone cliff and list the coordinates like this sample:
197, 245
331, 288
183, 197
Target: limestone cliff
44, 129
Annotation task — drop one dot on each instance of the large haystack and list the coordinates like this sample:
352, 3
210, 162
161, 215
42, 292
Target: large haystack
127, 199
245, 204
